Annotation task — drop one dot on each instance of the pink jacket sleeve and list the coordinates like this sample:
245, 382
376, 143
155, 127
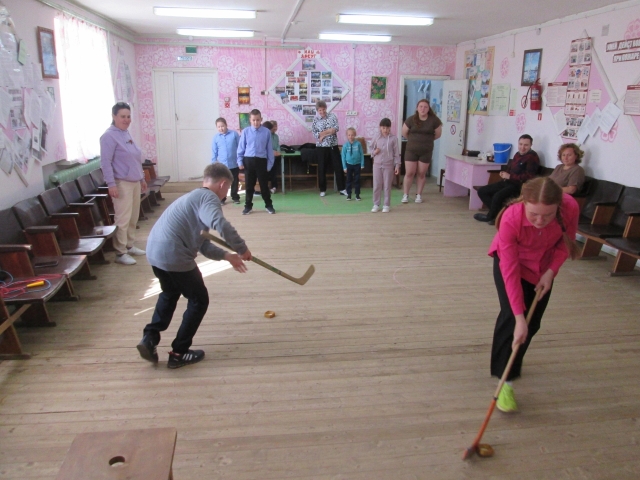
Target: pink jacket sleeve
509, 258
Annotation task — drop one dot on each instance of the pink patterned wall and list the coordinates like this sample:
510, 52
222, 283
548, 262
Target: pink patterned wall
246, 66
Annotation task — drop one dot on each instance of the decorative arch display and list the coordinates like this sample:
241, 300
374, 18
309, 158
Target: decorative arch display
307, 80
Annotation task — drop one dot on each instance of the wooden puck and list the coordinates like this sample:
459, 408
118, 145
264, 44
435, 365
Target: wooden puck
484, 450
269, 314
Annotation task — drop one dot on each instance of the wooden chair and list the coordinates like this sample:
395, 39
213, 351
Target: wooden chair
41, 230
441, 179
54, 202
10, 347
82, 190
16, 253
609, 220
98, 179
600, 192
128, 454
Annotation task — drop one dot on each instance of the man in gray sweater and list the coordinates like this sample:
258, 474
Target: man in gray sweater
172, 247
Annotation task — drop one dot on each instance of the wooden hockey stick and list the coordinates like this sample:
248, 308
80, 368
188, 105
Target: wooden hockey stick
300, 281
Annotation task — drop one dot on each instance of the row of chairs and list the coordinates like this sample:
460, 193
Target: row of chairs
55, 237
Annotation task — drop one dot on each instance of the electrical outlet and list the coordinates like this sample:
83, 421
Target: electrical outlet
352, 113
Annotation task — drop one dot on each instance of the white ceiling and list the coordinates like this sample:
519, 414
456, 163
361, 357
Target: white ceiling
456, 21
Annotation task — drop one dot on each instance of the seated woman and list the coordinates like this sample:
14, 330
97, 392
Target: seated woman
569, 175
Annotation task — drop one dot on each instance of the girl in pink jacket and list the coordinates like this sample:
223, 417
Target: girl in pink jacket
385, 155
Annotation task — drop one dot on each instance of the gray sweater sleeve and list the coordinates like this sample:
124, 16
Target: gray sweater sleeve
211, 215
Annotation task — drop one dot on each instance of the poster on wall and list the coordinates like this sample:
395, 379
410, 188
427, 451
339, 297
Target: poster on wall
632, 100
575, 106
479, 71
307, 80
556, 94
454, 106
378, 88
499, 104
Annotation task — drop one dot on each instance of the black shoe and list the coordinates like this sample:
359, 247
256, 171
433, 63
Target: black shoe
348, 197
271, 210
358, 198
148, 350
224, 200
491, 222
237, 201
481, 217
246, 211
177, 360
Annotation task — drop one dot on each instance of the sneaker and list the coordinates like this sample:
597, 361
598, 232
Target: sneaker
385, 209
343, 192
148, 350
405, 198
138, 252
237, 202
273, 190
418, 199
125, 259
257, 194
348, 198
358, 198
322, 194
375, 209
223, 201
246, 211
271, 210
506, 401
177, 360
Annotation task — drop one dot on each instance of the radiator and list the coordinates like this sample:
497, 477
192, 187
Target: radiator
70, 174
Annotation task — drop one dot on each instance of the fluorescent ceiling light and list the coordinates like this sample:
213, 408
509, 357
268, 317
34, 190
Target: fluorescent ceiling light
354, 38
203, 12
210, 32
384, 20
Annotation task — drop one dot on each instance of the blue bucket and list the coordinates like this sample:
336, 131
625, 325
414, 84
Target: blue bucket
501, 152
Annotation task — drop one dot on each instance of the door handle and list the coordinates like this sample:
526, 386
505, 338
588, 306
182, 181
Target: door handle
176, 117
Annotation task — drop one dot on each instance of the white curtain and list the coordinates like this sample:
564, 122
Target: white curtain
86, 88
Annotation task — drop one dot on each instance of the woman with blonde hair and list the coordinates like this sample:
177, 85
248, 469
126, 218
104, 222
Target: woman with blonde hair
569, 175
536, 234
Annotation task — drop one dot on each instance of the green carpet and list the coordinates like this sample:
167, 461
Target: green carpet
309, 202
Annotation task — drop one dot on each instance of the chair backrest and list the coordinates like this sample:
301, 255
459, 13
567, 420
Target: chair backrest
602, 191
53, 201
30, 213
98, 177
85, 184
11, 232
629, 203
363, 142
70, 192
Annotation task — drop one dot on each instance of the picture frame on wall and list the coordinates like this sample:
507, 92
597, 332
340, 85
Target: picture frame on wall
243, 120
47, 52
378, 88
531, 66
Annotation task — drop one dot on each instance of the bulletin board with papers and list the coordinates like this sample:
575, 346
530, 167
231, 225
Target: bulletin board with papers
479, 71
26, 108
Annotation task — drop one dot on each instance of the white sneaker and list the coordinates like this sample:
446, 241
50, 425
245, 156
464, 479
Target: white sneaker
418, 199
405, 198
136, 251
343, 192
322, 194
375, 209
273, 190
385, 209
125, 259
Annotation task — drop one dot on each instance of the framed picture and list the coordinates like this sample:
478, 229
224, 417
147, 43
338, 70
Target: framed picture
378, 88
243, 120
47, 53
531, 66
244, 95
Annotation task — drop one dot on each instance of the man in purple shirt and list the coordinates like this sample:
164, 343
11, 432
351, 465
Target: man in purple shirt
255, 158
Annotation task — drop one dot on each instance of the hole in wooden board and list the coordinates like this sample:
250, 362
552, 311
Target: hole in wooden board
117, 461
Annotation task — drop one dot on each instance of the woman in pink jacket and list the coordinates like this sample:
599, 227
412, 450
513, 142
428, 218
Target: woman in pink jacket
536, 234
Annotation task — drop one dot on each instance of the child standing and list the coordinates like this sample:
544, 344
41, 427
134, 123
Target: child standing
255, 157
352, 162
385, 155
275, 141
225, 148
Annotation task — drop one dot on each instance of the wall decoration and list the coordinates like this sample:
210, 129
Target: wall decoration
244, 95
378, 88
479, 70
531, 67
308, 80
47, 53
244, 120
454, 106
499, 104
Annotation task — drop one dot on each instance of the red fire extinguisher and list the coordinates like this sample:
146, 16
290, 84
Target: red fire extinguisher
536, 96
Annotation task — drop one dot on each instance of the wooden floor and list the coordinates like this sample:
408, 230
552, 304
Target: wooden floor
376, 369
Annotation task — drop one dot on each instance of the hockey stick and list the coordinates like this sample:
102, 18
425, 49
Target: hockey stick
300, 281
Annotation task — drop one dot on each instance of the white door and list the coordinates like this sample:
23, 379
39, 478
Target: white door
454, 122
186, 107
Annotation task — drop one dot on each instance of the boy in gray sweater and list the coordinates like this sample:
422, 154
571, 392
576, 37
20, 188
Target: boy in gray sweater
172, 247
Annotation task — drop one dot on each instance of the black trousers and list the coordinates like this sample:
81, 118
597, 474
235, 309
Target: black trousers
495, 195
329, 157
234, 185
506, 324
255, 168
275, 172
353, 178
173, 284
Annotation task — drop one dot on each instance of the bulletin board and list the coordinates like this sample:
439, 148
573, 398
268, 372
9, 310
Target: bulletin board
307, 80
479, 71
26, 108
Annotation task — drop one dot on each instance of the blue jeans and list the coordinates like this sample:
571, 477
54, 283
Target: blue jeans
173, 284
353, 178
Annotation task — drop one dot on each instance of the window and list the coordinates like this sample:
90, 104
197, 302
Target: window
86, 88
